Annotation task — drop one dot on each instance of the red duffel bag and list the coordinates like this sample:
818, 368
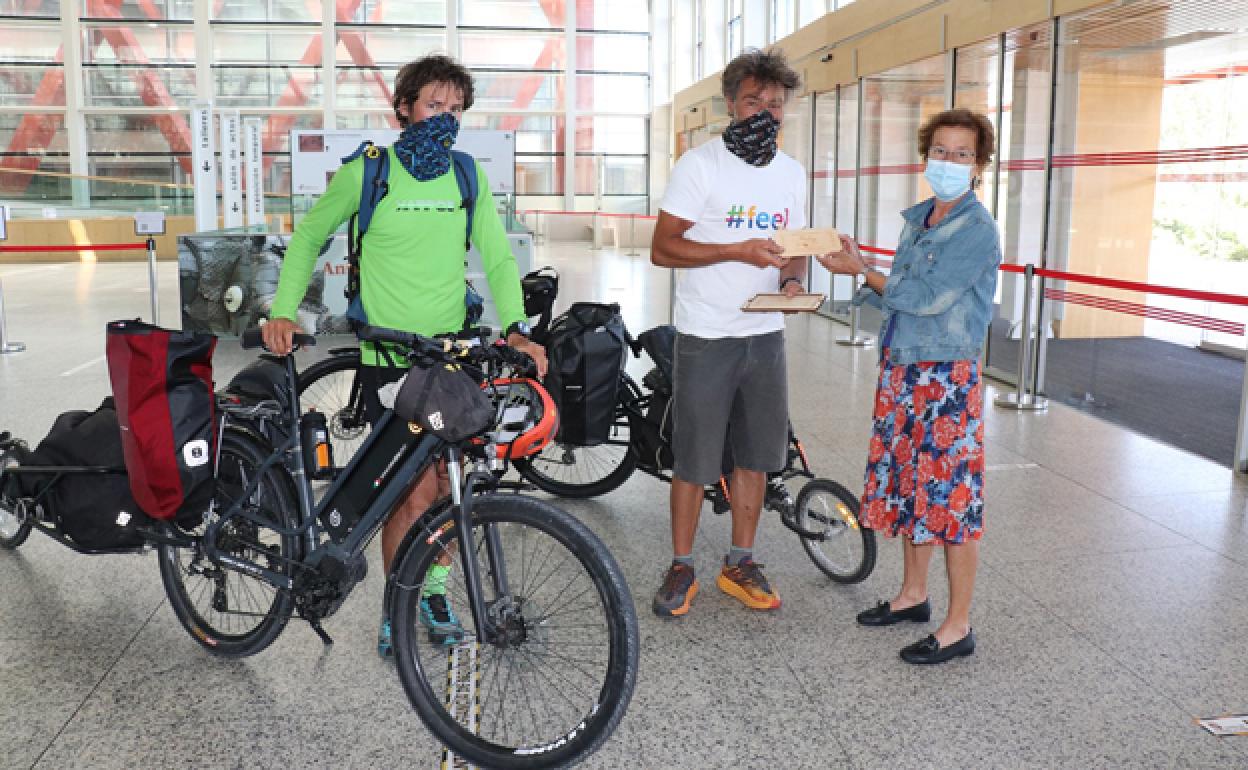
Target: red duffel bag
162, 386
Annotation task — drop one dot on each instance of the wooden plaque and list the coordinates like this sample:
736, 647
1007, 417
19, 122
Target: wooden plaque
801, 243
772, 303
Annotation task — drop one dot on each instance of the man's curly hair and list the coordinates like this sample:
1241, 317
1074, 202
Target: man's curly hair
436, 68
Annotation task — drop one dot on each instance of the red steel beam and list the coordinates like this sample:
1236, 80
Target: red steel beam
37, 130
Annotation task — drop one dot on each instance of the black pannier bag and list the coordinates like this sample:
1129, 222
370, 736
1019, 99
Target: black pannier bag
162, 383
586, 351
445, 401
652, 432
263, 380
87, 507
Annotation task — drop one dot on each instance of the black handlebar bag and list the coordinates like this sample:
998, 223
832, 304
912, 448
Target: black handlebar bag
162, 386
445, 401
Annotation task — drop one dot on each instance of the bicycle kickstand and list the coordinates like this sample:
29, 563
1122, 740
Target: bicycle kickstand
319, 629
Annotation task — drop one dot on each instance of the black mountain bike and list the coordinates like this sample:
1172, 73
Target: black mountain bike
548, 659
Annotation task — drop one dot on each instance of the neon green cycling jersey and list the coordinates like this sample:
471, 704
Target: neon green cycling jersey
412, 263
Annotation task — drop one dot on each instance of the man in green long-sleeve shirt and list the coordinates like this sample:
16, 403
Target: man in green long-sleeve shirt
411, 264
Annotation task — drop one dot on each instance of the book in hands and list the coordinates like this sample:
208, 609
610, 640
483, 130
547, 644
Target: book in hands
801, 243
782, 303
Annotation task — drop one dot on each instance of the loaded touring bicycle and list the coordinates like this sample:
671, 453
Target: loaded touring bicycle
243, 548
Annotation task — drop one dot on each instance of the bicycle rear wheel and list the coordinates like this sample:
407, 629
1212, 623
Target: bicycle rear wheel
231, 613
553, 688
16, 518
568, 470
333, 387
846, 552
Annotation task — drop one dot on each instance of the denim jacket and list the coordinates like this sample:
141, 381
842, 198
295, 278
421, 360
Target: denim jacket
939, 294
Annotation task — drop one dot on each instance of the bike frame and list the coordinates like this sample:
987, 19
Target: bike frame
392, 473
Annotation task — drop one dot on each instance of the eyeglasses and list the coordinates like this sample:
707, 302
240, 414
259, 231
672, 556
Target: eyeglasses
936, 152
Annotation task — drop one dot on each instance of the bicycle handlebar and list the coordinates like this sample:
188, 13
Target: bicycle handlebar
442, 348
252, 338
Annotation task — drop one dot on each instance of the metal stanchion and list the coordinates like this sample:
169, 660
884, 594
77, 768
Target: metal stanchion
855, 339
5, 345
151, 280
1022, 399
1241, 435
595, 237
539, 229
632, 236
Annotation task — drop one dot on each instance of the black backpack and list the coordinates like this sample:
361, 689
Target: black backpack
586, 349
87, 506
375, 184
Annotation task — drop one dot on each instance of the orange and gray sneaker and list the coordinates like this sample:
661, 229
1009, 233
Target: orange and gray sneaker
676, 594
746, 583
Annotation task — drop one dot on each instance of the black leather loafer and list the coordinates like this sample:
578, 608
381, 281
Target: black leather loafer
928, 650
883, 615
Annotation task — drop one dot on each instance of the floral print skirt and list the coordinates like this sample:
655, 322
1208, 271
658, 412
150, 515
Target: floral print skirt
925, 464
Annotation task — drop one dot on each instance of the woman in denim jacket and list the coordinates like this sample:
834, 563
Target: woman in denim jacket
925, 466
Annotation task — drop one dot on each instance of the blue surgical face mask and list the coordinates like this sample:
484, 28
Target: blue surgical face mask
949, 180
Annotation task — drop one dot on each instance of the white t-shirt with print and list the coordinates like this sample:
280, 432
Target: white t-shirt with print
730, 201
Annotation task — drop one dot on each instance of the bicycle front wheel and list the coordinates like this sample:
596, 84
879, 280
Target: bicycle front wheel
845, 550
333, 388
568, 470
551, 687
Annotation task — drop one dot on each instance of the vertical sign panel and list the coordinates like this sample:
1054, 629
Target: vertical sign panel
231, 168
202, 156
253, 148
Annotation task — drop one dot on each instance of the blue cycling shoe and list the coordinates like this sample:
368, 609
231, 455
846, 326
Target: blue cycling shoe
435, 615
385, 643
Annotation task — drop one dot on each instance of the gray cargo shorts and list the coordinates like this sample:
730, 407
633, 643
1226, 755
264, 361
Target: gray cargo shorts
731, 381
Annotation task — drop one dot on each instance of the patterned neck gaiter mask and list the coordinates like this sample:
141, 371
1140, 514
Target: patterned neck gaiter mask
424, 147
753, 140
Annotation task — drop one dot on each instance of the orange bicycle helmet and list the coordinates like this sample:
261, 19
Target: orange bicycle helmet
527, 419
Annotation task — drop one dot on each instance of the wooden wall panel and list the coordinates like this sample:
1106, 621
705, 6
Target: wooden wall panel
971, 21
912, 39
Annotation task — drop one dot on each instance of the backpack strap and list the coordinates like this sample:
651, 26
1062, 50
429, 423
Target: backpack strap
466, 178
374, 185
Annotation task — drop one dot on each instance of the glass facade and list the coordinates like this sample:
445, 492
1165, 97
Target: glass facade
145, 63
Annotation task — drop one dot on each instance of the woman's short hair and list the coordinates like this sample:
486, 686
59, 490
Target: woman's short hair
766, 67
960, 117
435, 68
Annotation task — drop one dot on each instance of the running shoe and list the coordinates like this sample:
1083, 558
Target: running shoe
385, 642
677, 592
746, 583
435, 615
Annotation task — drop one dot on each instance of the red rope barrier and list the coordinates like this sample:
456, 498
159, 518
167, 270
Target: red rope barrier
1169, 291
95, 247
1121, 306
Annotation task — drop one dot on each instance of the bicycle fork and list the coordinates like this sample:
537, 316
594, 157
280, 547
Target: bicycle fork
462, 486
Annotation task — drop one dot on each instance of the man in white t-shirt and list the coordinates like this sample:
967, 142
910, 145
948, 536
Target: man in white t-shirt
723, 201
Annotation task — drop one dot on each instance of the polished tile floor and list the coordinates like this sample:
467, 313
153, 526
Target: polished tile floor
1109, 607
